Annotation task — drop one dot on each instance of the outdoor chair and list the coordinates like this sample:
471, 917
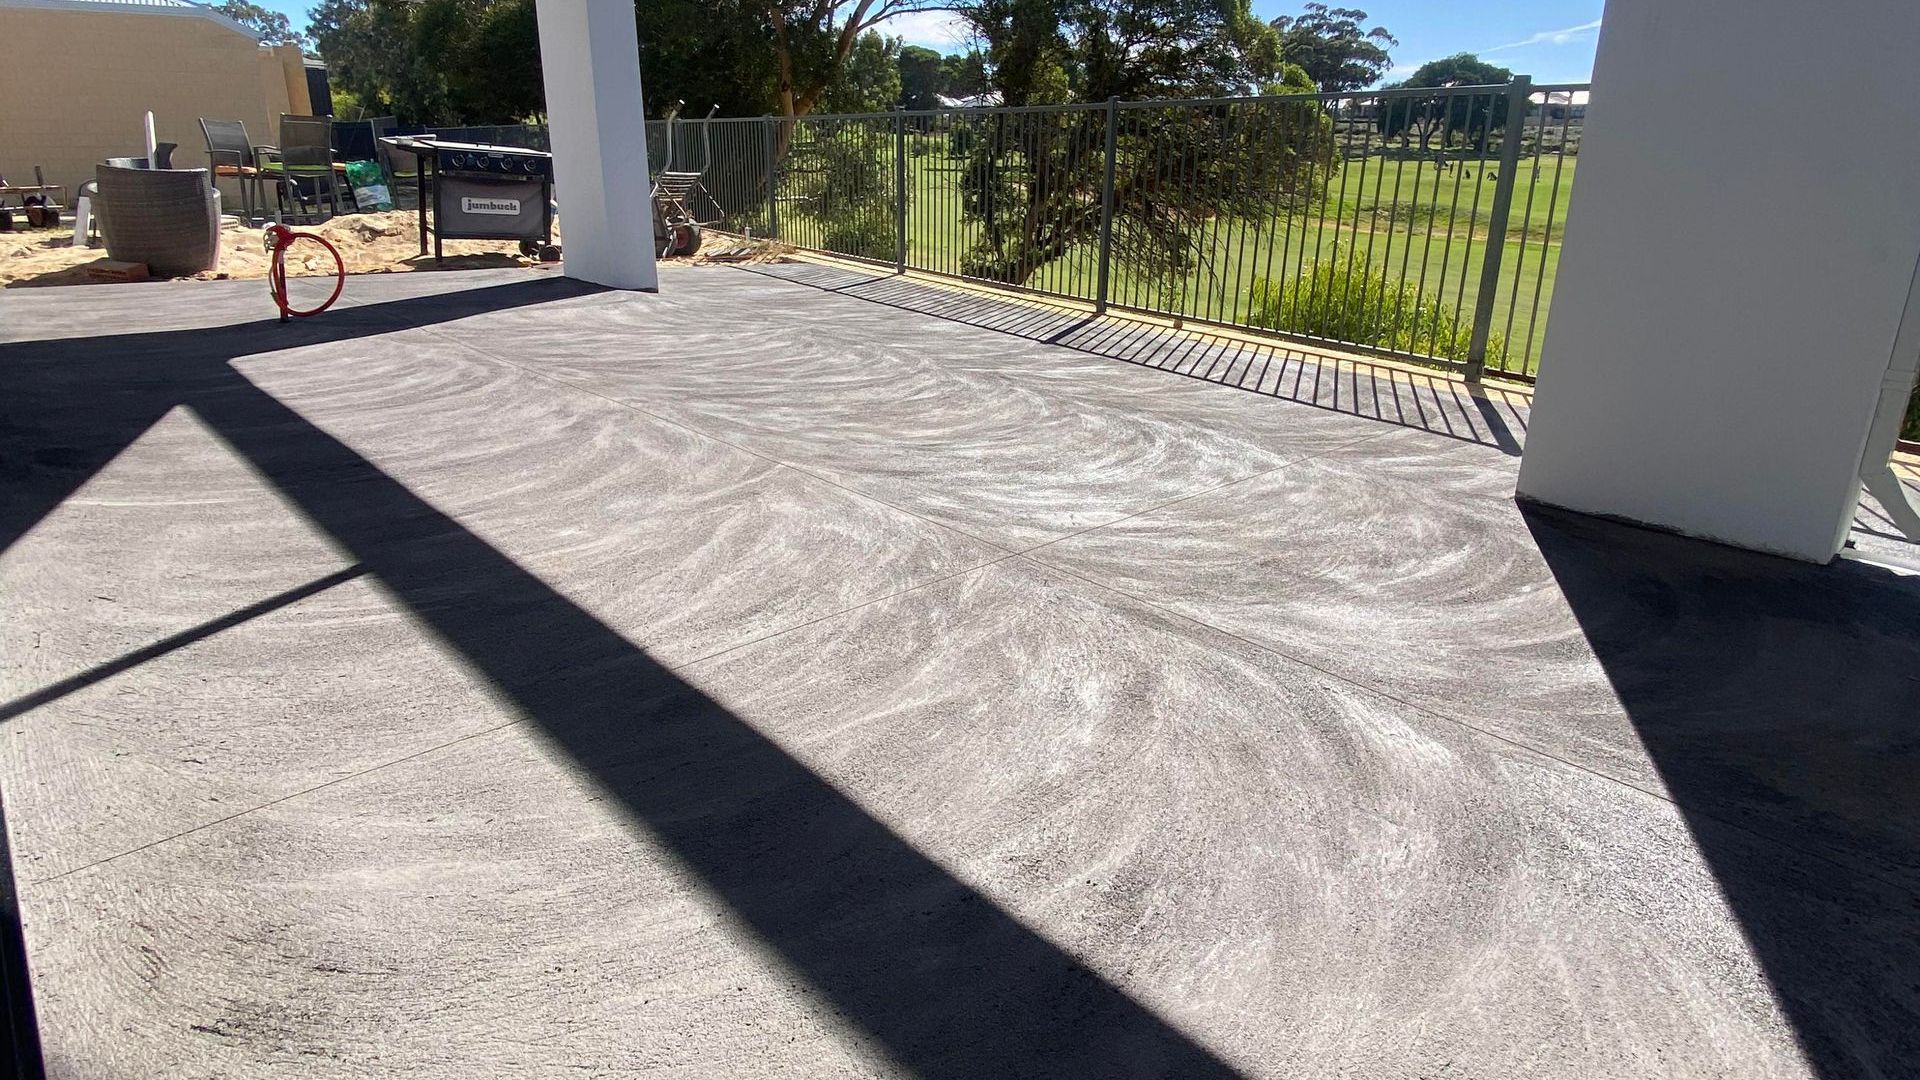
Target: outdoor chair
403, 170
353, 140
305, 167
90, 190
166, 218
232, 154
162, 159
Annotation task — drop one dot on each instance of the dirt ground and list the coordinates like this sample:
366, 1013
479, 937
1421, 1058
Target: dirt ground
368, 243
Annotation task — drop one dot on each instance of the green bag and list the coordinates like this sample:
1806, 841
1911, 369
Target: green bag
369, 185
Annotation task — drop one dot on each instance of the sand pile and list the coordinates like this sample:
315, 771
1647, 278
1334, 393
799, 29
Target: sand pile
368, 243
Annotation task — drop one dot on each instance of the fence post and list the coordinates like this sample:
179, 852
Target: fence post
1106, 204
899, 190
773, 179
1514, 127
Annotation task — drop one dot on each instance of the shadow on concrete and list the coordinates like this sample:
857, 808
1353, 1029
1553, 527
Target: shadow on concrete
946, 981
175, 642
1435, 403
1780, 703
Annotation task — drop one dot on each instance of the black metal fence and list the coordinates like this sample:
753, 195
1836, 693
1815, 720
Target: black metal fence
1422, 224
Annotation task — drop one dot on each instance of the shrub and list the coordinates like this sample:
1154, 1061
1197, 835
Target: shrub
1344, 299
868, 230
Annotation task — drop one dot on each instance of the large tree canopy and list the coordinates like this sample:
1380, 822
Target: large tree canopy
273, 27
965, 74
922, 77
478, 61
1423, 116
370, 53
1335, 47
1033, 181
869, 80
813, 39
1460, 69
1051, 51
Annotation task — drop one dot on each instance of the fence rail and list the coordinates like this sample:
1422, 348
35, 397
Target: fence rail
1421, 224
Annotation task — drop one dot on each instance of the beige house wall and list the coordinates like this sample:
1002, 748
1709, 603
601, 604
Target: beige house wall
75, 84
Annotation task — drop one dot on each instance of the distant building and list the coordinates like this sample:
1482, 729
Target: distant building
1562, 104
971, 101
77, 77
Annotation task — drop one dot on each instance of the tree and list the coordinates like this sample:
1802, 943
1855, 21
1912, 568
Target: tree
707, 53
485, 57
869, 81
1034, 184
478, 61
1026, 48
965, 74
370, 52
1447, 115
922, 77
812, 40
1334, 48
1044, 51
273, 27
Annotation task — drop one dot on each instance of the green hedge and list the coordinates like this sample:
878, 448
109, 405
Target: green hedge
1343, 299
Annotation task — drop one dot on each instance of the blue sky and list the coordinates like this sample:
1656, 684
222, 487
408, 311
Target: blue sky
1552, 40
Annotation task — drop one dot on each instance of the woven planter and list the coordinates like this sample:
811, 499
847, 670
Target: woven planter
166, 218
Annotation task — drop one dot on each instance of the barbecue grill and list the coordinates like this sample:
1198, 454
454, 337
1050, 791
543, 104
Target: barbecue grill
482, 192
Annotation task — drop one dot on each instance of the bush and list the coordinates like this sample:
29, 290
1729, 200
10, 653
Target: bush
1345, 300
867, 231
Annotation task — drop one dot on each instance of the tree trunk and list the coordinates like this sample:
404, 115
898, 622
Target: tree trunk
794, 101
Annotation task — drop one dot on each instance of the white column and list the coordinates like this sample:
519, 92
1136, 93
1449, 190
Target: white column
1741, 240
590, 60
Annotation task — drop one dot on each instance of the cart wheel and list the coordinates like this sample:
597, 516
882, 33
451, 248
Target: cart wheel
530, 248
6, 219
549, 253
686, 240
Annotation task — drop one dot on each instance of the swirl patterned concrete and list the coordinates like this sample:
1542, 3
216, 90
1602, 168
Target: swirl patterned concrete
509, 680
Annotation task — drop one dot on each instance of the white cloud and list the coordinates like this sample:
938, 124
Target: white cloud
941, 31
1552, 37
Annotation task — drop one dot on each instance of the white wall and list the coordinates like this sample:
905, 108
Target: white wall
590, 61
1742, 233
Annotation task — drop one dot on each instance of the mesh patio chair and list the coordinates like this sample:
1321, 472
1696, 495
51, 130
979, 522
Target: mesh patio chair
403, 170
166, 218
304, 165
234, 155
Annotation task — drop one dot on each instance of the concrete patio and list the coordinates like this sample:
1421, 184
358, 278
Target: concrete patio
804, 673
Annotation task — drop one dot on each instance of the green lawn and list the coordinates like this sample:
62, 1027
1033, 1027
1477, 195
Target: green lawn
1404, 217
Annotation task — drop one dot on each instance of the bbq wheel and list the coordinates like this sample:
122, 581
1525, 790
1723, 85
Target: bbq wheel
549, 253
530, 249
